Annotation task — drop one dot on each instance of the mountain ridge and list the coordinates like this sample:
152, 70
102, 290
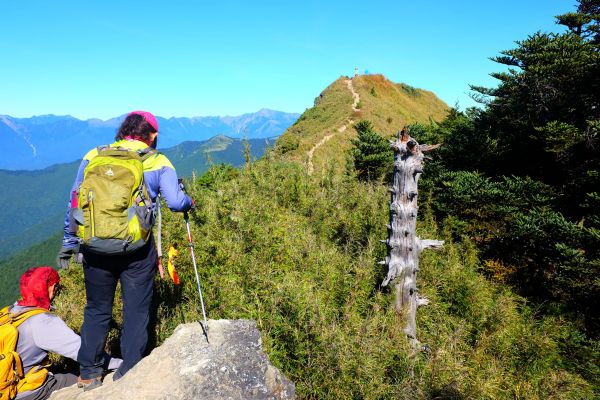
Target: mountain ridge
388, 105
40, 141
298, 254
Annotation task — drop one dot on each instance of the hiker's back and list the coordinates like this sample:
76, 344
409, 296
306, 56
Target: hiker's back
114, 211
84, 220
135, 272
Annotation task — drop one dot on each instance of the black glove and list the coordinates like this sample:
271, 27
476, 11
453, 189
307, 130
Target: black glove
182, 187
64, 256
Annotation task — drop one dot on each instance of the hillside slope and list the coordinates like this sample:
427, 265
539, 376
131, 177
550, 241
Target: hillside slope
322, 134
188, 157
34, 201
33, 205
298, 255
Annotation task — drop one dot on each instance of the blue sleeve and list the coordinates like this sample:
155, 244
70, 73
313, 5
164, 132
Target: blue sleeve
70, 239
176, 199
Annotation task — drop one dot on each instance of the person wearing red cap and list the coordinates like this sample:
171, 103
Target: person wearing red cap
135, 271
42, 333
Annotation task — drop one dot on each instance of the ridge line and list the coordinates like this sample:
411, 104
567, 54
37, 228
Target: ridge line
356, 99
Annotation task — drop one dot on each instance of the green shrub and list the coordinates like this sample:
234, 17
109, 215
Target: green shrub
372, 156
287, 143
299, 256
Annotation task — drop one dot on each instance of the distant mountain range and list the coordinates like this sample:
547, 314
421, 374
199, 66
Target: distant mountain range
40, 141
34, 202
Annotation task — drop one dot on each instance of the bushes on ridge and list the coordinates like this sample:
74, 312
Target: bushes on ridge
298, 256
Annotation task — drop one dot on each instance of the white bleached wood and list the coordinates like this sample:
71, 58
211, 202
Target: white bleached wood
432, 244
404, 247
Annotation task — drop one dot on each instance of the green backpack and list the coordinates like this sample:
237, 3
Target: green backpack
114, 213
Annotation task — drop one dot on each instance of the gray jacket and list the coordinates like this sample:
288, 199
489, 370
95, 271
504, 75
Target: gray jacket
46, 332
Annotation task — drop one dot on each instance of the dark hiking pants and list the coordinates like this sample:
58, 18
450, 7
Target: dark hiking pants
52, 384
136, 273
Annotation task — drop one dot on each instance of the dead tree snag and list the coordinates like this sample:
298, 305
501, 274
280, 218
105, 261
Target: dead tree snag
404, 247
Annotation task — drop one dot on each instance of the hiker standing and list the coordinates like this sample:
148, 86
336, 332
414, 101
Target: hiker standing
39, 332
130, 258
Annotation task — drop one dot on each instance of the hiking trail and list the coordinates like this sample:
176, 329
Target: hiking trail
341, 129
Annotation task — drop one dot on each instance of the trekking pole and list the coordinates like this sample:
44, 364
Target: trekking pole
191, 244
159, 244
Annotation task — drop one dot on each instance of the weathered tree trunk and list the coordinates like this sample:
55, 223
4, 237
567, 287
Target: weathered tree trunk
404, 247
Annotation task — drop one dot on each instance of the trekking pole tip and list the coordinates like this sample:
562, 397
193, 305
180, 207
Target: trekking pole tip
204, 326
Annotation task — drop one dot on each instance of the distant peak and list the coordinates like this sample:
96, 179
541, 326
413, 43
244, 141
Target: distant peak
53, 116
220, 138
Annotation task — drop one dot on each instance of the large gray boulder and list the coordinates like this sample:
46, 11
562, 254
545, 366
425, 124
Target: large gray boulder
231, 366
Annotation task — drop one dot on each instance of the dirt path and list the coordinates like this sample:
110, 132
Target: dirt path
342, 128
354, 95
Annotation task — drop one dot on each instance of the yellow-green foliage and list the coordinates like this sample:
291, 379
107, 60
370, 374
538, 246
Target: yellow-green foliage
389, 106
331, 110
298, 255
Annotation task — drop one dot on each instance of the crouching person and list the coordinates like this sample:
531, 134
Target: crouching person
40, 332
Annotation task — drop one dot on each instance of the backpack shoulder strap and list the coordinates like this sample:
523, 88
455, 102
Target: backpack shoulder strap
101, 148
147, 153
19, 318
5, 315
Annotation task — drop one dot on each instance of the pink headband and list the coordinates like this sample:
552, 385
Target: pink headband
148, 117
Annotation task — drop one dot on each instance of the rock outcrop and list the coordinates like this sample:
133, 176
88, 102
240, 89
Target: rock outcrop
186, 366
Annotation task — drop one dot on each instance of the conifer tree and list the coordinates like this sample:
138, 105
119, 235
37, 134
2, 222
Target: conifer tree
540, 128
371, 153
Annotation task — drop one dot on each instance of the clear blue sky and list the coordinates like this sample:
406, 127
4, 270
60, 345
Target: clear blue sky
196, 58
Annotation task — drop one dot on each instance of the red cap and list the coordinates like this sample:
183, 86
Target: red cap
148, 117
34, 286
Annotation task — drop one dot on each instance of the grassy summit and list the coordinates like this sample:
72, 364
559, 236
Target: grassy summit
392, 105
389, 106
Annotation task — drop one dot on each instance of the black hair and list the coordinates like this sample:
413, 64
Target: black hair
136, 127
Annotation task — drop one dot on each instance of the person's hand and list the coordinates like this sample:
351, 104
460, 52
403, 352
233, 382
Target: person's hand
181, 185
64, 256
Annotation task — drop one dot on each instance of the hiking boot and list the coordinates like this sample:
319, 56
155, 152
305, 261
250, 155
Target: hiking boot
89, 384
117, 375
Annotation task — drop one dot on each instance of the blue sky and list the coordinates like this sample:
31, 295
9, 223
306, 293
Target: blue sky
198, 58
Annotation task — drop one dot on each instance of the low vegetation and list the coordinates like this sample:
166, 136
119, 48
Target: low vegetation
299, 256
